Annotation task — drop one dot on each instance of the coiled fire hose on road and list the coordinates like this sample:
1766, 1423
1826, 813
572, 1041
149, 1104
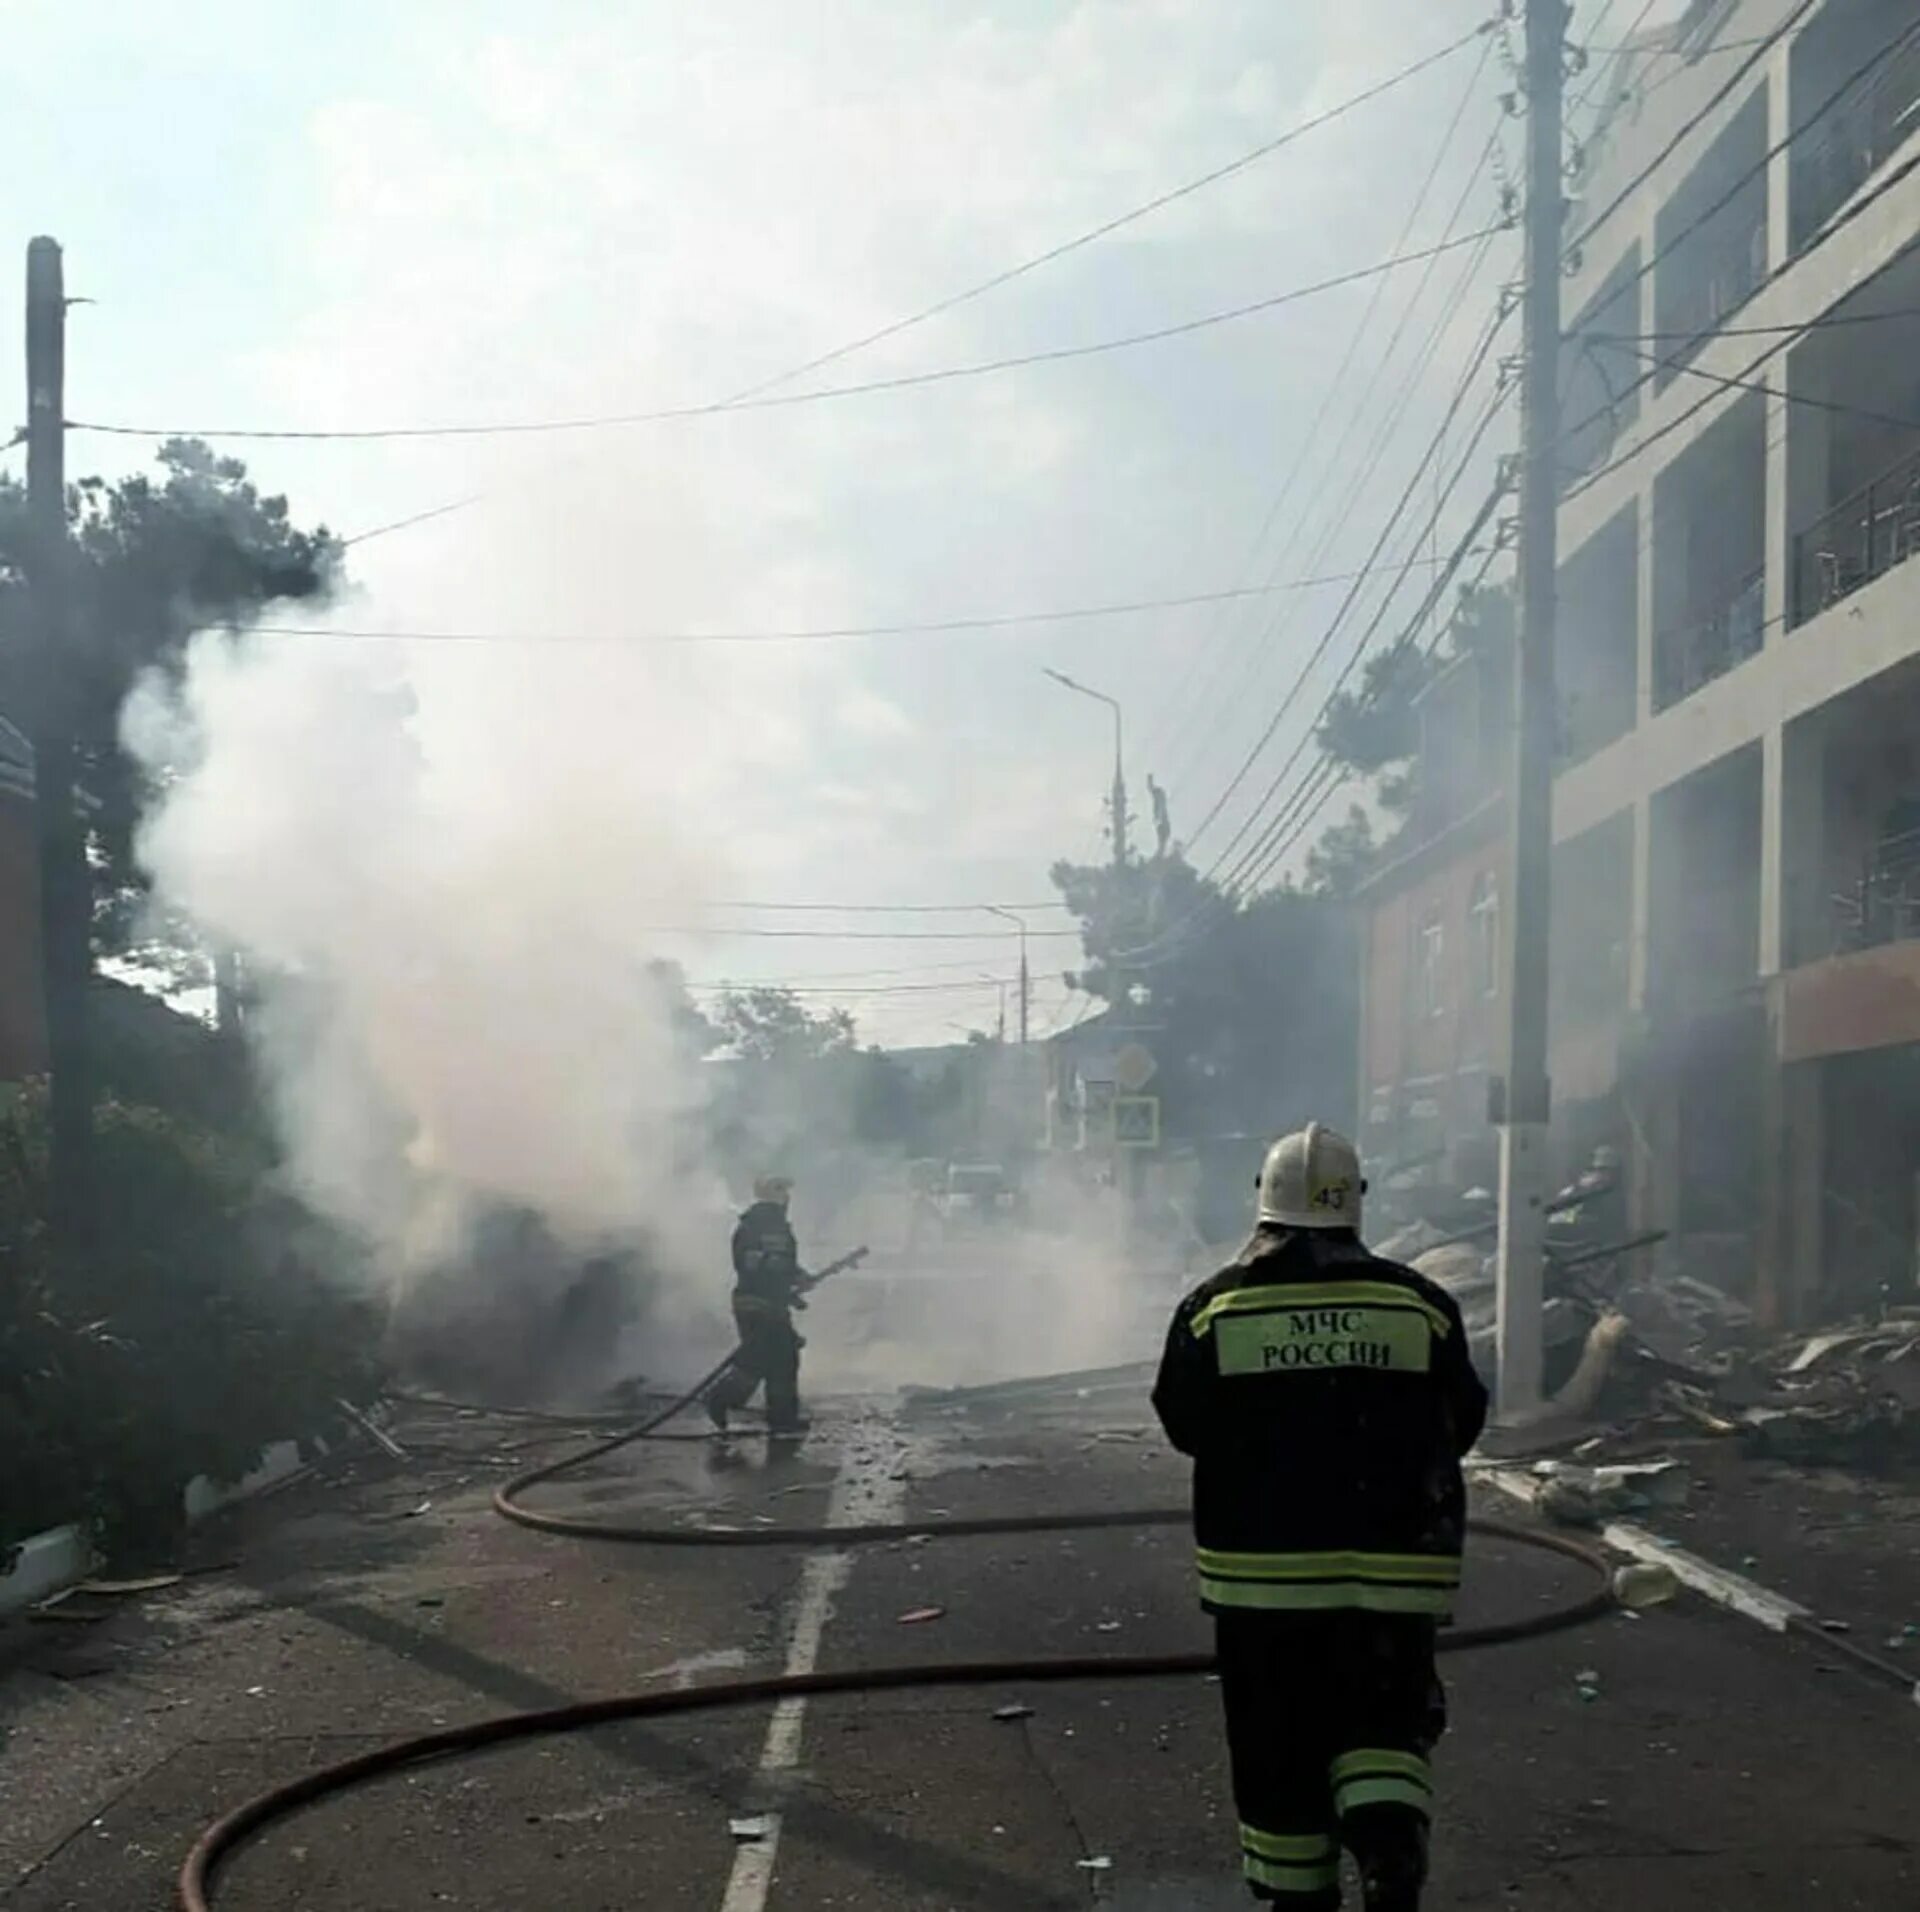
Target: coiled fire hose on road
228, 1833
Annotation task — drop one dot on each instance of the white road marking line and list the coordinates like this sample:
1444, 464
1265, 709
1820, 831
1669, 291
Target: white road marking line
868, 1488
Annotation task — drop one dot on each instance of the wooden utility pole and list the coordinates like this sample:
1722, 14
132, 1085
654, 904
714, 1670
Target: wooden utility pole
65, 883
1524, 1102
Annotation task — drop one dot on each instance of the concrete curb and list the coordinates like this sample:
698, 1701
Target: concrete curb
1723, 1587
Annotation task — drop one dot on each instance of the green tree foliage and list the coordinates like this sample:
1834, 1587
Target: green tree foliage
199, 1329
1344, 856
1247, 1006
155, 558
772, 1025
1374, 733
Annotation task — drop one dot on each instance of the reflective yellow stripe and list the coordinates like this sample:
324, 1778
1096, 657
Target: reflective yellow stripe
1311, 1596
1368, 1762
1441, 1570
1337, 1294
1384, 1792
1299, 1848
1290, 1878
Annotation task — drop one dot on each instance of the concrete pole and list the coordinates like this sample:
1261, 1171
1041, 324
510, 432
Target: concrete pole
66, 891
1525, 1103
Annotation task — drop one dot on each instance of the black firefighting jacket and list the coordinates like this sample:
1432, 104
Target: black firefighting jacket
1326, 1397
766, 1261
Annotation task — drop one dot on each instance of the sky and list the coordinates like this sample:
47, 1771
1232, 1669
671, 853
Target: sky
358, 215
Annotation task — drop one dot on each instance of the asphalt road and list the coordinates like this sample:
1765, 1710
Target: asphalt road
1718, 1766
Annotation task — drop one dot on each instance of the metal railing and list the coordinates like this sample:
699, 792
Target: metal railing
1861, 538
1884, 906
1697, 653
1835, 158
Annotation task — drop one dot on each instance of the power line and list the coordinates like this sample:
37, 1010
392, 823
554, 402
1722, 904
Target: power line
1758, 169
1306, 820
719, 932
1717, 380
1465, 385
1265, 150
1104, 230
1202, 680
1795, 326
927, 627
1666, 152
975, 985
906, 381
1857, 209
1835, 406
1237, 877
1643, 445
893, 909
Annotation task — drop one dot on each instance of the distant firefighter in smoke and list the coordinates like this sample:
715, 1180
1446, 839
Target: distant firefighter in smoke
769, 1284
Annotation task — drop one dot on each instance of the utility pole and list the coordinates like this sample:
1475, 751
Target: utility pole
65, 883
1020, 924
1524, 1099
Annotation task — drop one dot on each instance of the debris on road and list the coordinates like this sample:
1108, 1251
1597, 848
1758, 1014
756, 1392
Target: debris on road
374, 1432
1578, 1496
1098, 1862
1587, 1683
1644, 1583
1005, 1713
750, 1829
918, 1616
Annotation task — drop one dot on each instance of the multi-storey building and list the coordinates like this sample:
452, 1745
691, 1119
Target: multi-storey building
1736, 953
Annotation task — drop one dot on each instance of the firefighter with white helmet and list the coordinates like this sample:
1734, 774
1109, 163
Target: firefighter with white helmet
769, 1283
1326, 1398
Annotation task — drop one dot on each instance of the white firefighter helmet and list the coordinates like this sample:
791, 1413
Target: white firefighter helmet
773, 1188
1312, 1179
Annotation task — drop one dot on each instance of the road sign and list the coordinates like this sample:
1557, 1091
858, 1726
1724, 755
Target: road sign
1136, 1121
1133, 1068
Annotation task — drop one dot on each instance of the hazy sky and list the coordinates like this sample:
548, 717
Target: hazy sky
353, 214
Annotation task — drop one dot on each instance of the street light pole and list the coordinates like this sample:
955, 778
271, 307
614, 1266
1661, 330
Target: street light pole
1118, 800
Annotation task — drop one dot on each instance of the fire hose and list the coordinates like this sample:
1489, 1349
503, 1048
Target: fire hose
221, 1840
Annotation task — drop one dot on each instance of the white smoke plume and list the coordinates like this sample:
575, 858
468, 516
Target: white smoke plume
445, 866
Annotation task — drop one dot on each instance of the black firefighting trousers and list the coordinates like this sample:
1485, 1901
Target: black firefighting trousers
1330, 1719
769, 1351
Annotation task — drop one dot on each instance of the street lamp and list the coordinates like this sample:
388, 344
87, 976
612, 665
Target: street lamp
1019, 923
1119, 798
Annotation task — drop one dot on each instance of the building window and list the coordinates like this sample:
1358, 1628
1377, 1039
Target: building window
1430, 957
1483, 928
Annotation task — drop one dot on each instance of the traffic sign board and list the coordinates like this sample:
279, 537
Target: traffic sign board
1133, 1068
1136, 1121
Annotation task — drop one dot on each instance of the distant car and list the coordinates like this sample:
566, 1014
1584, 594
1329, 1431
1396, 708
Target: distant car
976, 1193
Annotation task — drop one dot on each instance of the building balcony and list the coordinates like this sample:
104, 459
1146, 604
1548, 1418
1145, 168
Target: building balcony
1836, 157
1884, 905
1710, 646
1863, 537
1715, 278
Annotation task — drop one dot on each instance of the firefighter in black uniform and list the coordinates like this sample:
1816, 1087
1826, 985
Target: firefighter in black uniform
769, 1284
1326, 1398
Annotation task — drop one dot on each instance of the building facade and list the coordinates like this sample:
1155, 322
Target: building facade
1736, 915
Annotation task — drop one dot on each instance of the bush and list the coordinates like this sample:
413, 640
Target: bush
195, 1330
